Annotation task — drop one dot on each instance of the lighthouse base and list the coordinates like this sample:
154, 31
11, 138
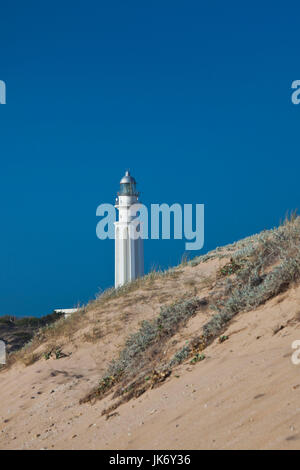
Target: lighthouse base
129, 257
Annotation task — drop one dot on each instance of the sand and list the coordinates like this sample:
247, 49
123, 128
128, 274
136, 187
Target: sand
244, 395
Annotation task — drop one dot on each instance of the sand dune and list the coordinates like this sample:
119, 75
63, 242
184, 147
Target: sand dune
243, 395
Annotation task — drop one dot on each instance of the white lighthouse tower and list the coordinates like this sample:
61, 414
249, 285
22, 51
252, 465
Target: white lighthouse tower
129, 252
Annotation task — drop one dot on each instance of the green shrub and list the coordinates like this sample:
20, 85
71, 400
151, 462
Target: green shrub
197, 358
180, 356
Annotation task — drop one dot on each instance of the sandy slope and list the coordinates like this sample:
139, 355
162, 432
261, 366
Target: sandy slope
245, 394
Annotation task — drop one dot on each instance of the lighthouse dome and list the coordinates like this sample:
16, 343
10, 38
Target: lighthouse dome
127, 178
128, 186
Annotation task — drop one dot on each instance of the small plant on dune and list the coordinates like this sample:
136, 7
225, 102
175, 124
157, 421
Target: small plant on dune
54, 352
59, 354
106, 383
192, 348
180, 356
223, 338
197, 358
231, 268
47, 355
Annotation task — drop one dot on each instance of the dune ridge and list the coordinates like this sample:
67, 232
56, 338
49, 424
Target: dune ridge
198, 356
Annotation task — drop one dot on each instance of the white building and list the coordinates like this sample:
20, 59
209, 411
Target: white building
129, 253
66, 311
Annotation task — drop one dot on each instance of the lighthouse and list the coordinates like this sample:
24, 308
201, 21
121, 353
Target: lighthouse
129, 253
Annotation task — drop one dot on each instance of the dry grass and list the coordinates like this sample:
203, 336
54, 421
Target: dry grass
207, 282
94, 335
190, 283
28, 359
144, 282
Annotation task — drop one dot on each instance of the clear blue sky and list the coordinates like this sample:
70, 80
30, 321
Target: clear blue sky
194, 97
